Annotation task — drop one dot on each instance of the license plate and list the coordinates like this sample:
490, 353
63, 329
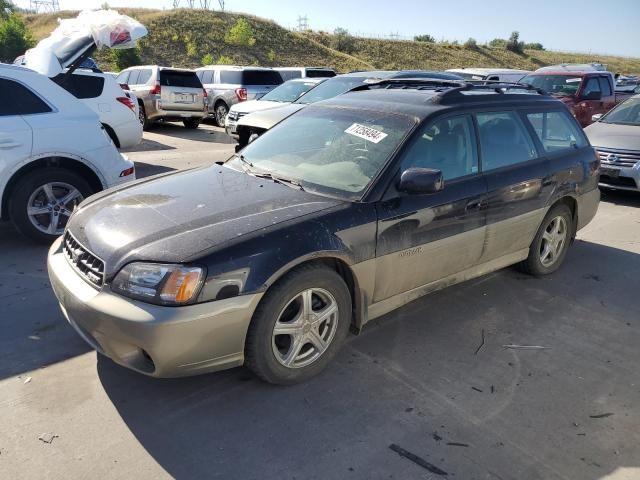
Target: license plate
610, 172
183, 97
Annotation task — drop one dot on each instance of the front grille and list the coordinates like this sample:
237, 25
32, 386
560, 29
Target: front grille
84, 262
620, 158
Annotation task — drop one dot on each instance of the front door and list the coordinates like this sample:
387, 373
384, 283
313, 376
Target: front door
424, 238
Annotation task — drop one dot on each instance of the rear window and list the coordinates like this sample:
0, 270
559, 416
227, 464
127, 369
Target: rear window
317, 72
250, 77
174, 78
81, 86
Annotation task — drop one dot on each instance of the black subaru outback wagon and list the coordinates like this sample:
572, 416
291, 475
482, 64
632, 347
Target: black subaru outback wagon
341, 213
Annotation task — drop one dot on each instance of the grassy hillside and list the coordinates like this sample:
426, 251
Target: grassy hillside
182, 37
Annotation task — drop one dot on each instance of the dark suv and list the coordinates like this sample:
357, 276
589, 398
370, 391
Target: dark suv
347, 211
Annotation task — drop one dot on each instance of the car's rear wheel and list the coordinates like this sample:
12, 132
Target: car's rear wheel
550, 245
220, 113
191, 123
142, 117
299, 326
42, 202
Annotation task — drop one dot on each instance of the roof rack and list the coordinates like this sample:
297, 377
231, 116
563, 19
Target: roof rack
446, 89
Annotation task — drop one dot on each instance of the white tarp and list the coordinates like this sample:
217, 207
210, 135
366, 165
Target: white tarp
73, 36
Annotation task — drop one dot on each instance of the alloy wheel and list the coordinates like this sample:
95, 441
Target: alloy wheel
50, 206
305, 328
554, 240
221, 114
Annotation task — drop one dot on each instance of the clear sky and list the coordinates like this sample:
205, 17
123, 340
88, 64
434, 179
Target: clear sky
590, 26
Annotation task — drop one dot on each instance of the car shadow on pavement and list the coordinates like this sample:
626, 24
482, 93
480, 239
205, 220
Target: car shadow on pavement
621, 197
147, 169
433, 377
147, 145
205, 133
33, 331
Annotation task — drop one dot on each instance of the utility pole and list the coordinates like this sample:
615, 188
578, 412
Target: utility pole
303, 23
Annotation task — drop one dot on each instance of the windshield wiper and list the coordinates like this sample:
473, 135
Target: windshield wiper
291, 182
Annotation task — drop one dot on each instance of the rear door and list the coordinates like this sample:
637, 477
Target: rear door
518, 181
181, 91
424, 238
16, 136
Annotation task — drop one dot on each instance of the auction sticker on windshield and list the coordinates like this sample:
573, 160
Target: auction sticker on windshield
368, 133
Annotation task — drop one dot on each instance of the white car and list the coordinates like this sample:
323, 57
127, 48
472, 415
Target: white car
118, 109
284, 94
54, 152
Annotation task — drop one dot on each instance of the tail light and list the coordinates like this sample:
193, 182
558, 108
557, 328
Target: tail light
204, 92
241, 93
127, 102
156, 89
127, 172
124, 86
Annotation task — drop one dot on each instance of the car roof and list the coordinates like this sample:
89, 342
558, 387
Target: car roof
232, 67
15, 68
308, 80
487, 71
421, 103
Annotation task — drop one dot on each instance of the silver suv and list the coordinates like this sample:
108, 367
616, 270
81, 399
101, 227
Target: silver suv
166, 94
227, 85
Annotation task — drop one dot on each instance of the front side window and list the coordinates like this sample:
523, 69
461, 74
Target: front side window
447, 145
123, 77
503, 140
133, 77
331, 150
556, 131
559, 85
16, 99
592, 86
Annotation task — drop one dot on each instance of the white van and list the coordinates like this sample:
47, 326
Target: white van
491, 74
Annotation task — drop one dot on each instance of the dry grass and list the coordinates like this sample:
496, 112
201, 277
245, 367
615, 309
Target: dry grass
182, 37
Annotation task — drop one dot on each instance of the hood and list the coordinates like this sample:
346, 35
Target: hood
255, 106
175, 217
268, 118
610, 135
75, 38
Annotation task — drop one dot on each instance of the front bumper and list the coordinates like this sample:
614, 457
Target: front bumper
150, 339
622, 178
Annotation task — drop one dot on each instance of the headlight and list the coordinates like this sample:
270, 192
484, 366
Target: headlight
162, 284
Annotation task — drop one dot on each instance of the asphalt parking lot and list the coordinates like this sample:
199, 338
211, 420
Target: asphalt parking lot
433, 378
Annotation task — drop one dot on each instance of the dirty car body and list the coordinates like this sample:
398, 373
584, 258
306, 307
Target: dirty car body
365, 201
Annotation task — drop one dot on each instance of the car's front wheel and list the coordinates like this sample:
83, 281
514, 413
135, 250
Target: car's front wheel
220, 112
550, 245
299, 326
42, 201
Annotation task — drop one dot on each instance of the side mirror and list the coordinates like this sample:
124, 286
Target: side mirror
592, 96
596, 117
421, 181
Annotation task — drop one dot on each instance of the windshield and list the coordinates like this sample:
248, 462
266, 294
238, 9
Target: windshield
560, 85
289, 91
627, 113
336, 151
332, 88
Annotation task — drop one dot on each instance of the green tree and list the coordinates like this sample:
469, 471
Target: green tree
207, 59
514, 44
343, 41
424, 38
125, 57
498, 43
224, 60
15, 38
471, 44
533, 46
240, 34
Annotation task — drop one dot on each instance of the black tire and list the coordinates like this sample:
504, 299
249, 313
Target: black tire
220, 113
27, 185
259, 350
142, 116
191, 123
534, 265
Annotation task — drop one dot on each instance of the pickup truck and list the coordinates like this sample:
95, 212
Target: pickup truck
585, 93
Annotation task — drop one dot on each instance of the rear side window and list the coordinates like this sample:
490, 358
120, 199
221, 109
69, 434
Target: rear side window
175, 78
605, 86
448, 145
81, 86
16, 99
133, 77
290, 74
251, 77
316, 73
556, 131
504, 140
207, 76
144, 77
